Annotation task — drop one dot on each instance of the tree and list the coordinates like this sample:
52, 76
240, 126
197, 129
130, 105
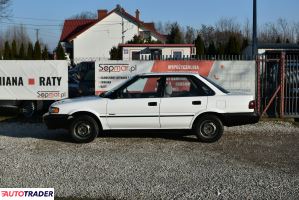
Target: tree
7, 51
4, 9
22, 52
212, 49
14, 53
233, 46
175, 36
37, 53
115, 53
85, 15
200, 46
45, 53
30, 51
60, 54
190, 35
278, 40
245, 43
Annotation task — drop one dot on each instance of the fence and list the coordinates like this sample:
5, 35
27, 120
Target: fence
278, 85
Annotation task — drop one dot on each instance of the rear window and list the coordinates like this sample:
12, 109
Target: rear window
216, 85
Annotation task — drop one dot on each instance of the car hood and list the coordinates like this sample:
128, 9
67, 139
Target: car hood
77, 100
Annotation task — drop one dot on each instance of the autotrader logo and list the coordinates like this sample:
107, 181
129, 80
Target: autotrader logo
27, 193
117, 68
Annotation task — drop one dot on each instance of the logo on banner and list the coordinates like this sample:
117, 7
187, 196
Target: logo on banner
117, 68
27, 193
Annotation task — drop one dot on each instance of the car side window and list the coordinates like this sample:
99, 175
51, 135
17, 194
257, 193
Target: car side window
143, 87
180, 86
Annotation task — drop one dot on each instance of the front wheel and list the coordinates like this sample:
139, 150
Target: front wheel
209, 128
84, 129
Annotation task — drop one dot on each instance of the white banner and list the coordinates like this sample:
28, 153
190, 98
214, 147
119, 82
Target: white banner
33, 80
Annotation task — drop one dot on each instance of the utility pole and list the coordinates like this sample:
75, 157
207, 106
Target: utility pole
122, 28
254, 32
37, 31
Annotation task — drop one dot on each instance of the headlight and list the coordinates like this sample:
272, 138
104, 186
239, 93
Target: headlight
53, 110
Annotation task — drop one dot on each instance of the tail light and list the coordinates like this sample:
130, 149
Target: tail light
251, 104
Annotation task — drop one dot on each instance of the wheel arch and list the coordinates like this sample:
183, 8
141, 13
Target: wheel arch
219, 115
94, 116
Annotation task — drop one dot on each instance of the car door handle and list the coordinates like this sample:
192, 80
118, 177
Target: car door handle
152, 103
196, 102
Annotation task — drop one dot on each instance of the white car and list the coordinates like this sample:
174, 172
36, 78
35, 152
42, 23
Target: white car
155, 101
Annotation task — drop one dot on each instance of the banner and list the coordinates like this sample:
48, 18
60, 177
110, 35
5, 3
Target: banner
33, 80
235, 76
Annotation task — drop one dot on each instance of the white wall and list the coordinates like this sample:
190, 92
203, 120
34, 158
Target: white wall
97, 41
166, 51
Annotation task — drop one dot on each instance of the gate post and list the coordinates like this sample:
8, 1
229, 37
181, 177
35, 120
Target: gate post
282, 81
258, 83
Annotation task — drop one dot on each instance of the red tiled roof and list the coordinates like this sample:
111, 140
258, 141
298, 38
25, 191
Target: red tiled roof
156, 45
73, 28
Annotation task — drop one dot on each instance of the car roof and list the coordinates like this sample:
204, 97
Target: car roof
167, 73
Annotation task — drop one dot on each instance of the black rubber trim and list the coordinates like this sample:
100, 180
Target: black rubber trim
56, 121
236, 119
116, 116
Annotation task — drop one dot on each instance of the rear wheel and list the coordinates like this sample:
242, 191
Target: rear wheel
84, 129
209, 128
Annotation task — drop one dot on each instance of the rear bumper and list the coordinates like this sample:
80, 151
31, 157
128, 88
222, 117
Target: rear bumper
237, 119
56, 121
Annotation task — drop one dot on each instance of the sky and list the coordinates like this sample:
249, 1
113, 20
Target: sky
48, 15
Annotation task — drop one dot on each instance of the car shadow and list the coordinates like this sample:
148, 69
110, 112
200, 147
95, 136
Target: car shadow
34, 128
177, 135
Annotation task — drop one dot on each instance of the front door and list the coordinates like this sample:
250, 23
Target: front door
136, 105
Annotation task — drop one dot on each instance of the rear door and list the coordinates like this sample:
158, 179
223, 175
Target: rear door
184, 96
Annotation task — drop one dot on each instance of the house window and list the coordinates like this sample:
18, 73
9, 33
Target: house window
177, 55
136, 55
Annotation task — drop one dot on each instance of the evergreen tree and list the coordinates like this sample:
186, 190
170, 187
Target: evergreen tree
233, 46
175, 36
14, 53
278, 40
115, 53
7, 51
200, 46
37, 53
245, 43
30, 51
212, 49
22, 52
287, 40
221, 48
45, 53
60, 54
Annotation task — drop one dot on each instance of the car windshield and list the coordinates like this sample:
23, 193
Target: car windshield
108, 93
216, 85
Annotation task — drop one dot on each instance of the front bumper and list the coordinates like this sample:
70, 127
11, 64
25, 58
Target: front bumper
237, 119
56, 121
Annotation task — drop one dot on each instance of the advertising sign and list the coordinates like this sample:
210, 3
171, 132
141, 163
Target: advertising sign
33, 80
235, 76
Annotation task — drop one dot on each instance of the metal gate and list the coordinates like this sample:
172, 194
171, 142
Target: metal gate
278, 85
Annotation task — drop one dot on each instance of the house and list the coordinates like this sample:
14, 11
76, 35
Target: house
157, 51
93, 38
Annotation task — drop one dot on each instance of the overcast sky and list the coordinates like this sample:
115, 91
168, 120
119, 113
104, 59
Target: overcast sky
47, 15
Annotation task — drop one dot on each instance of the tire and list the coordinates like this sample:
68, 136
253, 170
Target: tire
84, 129
209, 128
28, 109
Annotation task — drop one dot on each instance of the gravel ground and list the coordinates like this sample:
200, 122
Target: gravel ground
249, 162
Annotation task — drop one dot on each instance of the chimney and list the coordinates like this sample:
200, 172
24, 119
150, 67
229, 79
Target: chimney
102, 14
137, 14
